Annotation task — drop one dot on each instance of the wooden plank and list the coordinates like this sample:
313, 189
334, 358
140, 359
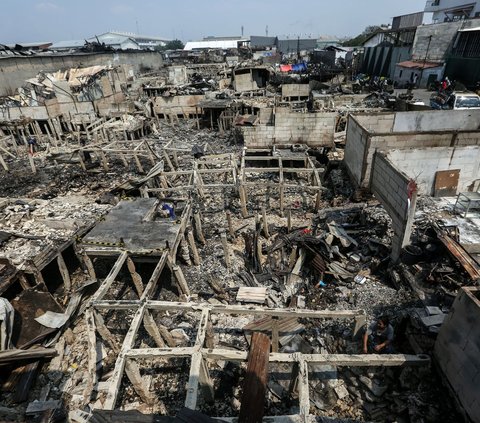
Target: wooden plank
198, 227
226, 250
92, 378
62, 266
136, 278
275, 334
256, 311
252, 294
193, 247
16, 355
255, 383
302, 386
152, 329
110, 278
116, 378
265, 223
193, 383
153, 281
179, 276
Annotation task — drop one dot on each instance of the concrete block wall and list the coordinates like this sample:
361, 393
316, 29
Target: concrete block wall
244, 82
258, 136
265, 116
15, 70
432, 42
420, 130
457, 350
421, 121
376, 123
391, 187
35, 112
422, 164
357, 139
468, 138
312, 129
436, 120
295, 90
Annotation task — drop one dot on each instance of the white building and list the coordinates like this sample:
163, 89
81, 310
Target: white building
125, 41
118, 42
452, 10
221, 43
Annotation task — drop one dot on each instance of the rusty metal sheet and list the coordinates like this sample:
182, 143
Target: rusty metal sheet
288, 327
29, 305
446, 183
457, 251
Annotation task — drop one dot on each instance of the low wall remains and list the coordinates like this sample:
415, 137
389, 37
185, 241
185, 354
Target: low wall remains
398, 195
457, 350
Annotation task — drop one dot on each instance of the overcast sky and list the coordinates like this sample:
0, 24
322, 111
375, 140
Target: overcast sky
57, 20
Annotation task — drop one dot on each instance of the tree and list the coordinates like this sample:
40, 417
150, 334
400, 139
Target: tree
172, 45
360, 39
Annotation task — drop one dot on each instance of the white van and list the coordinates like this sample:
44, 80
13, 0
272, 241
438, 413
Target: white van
463, 101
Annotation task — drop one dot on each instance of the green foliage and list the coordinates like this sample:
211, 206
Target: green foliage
360, 39
172, 45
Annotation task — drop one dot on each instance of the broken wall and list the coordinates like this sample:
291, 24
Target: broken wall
295, 90
312, 129
457, 350
16, 70
250, 79
178, 105
245, 82
405, 130
177, 75
265, 116
422, 165
436, 120
397, 193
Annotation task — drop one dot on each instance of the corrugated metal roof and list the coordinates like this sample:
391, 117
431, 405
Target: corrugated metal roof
68, 44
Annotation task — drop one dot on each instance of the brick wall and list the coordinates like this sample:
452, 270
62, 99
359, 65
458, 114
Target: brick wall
422, 164
390, 187
457, 350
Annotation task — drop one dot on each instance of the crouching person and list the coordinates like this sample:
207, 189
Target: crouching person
378, 337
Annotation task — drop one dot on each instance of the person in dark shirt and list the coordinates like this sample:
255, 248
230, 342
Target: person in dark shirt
378, 337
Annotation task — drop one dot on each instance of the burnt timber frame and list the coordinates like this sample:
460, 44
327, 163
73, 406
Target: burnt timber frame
199, 353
